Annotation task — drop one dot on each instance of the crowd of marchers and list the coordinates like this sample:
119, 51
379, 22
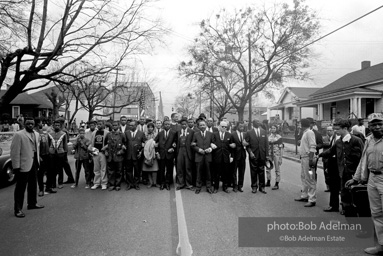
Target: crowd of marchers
137, 153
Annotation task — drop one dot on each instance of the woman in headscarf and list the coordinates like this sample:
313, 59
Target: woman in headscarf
150, 164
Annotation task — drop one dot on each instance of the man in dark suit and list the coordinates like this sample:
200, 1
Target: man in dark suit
202, 143
348, 150
222, 146
185, 156
257, 147
239, 162
167, 141
134, 142
25, 157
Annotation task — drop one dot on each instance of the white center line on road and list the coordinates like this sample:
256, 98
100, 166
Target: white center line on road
184, 247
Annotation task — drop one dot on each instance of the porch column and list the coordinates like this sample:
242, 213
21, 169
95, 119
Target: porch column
319, 112
351, 105
359, 107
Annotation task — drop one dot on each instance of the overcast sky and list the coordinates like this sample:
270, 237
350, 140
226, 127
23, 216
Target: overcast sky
339, 53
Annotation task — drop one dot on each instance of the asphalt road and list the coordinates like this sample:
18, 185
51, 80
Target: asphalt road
86, 222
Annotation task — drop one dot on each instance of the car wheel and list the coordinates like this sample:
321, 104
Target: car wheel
9, 174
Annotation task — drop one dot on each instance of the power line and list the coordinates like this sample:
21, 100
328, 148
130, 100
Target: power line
326, 35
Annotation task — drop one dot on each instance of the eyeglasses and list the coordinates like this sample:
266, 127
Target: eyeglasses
224, 126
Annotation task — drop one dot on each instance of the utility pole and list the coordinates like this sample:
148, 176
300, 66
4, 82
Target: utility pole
249, 82
114, 93
211, 99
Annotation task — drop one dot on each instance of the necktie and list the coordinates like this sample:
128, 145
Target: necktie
257, 132
240, 136
34, 141
221, 135
166, 135
203, 135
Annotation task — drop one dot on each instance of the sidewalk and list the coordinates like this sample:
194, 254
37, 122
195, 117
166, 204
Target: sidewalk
289, 153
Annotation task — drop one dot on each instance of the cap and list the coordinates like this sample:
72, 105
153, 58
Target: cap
375, 117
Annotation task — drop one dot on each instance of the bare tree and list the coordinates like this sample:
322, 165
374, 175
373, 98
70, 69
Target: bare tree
57, 101
188, 104
103, 32
256, 48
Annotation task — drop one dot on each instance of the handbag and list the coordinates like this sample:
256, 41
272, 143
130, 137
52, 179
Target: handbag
149, 162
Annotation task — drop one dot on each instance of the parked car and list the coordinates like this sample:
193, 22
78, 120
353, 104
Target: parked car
7, 176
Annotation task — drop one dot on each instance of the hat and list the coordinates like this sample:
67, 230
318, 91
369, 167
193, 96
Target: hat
305, 122
92, 121
202, 115
375, 117
269, 164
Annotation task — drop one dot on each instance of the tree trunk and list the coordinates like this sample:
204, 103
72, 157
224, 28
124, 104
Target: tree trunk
90, 116
240, 111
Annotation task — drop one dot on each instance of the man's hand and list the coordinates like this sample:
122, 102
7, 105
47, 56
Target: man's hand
208, 150
174, 145
193, 144
201, 151
170, 150
311, 163
213, 146
251, 155
232, 145
351, 182
244, 143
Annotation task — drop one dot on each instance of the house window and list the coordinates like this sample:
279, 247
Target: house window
15, 111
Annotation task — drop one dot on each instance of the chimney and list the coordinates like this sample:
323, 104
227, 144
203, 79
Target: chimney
366, 64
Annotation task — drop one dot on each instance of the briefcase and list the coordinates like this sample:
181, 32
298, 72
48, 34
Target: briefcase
359, 200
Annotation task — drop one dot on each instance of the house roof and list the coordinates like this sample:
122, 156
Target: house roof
22, 99
359, 77
300, 93
303, 92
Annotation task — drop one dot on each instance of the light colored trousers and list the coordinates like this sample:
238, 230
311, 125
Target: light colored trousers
375, 196
100, 177
277, 169
309, 183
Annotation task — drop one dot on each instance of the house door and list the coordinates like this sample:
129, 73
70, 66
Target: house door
370, 106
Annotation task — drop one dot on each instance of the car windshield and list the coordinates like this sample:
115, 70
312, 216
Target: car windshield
5, 142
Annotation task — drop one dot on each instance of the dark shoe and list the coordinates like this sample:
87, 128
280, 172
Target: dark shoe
180, 187
118, 188
60, 186
50, 191
267, 183
137, 187
330, 209
167, 187
162, 187
69, 182
235, 189
110, 188
301, 199
190, 188
341, 212
275, 187
240, 190
36, 206
128, 188
377, 250
310, 204
210, 190
41, 193
262, 190
254, 190
19, 214
226, 190
215, 191
197, 190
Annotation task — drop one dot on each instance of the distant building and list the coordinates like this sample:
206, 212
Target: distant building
138, 96
31, 105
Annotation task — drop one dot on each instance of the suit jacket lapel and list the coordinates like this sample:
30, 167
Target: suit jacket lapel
28, 135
